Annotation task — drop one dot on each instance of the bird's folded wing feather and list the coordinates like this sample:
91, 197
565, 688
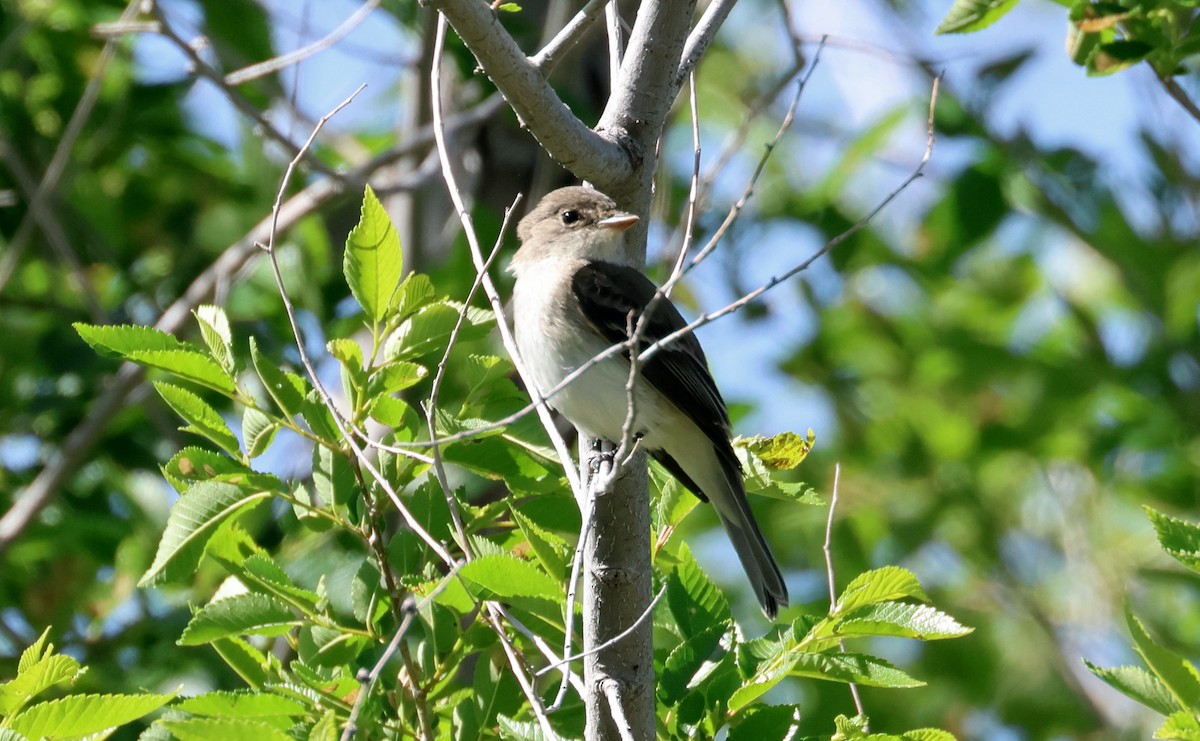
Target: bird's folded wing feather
613, 299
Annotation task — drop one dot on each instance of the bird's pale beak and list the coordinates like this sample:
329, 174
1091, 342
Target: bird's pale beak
618, 222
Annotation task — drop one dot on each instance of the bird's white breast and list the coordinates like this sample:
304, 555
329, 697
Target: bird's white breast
555, 340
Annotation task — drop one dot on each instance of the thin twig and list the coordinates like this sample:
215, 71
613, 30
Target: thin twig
615, 639
832, 581
366, 680
706, 318
338, 419
261, 69
436, 386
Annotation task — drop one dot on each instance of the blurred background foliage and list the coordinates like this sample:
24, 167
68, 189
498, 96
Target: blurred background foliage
1005, 363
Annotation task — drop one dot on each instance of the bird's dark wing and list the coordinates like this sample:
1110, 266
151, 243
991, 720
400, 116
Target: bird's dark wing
613, 299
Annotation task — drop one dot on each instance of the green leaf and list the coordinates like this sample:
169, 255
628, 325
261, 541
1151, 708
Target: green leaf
286, 389
395, 376
373, 261
1181, 725
685, 660
509, 7
333, 477
766, 721
258, 430
326, 729
202, 419
1179, 538
966, 16
415, 292
119, 340
1139, 684
899, 619
242, 614
348, 353
857, 668
880, 585
207, 729
768, 674
781, 452
430, 328
505, 577
551, 551
1114, 56
82, 715
241, 704
38, 670
193, 520
193, 464
255, 667
260, 574
695, 602
214, 329
1178, 674
189, 365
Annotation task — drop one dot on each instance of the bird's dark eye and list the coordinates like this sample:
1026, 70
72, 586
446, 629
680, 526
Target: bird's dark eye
570, 216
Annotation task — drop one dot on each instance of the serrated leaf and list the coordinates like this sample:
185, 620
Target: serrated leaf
430, 328
214, 330
326, 729
241, 704
373, 261
286, 389
766, 722
551, 551
1141, 685
879, 585
82, 715
781, 452
1178, 674
189, 365
394, 413
1179, 538
119, 340
258, 430
767, 675
685, 660
510, 728
695, 602
899, 619
193, 464
848, 667
966, 16
38, 669
207, 729
1181, 726
193, 520
262, 575
348, 353
202, 419
395, 376
243, 614
415, 291
253, 666
333, 477
505, 577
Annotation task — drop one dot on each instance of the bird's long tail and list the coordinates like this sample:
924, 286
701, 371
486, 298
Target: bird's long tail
752, 550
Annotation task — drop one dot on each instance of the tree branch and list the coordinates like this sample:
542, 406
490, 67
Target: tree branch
701, 36
560, 132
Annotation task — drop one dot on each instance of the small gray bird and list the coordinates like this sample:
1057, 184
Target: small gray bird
577, 294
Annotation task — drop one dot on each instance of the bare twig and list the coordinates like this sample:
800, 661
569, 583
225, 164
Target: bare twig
706, 318
702, 35
1180, 96
254, 71
367, 679
245, 107
318, 386
615, 639
559, 131
832, 582
570, 33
